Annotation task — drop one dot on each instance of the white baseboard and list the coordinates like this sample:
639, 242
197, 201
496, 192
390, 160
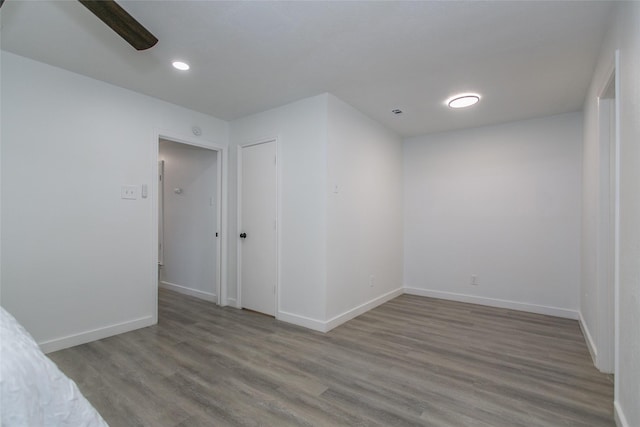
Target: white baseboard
95, 334
362, 308
618, 415
494, 302
591, 345
232, 302
305, 322
207, 296
327, 325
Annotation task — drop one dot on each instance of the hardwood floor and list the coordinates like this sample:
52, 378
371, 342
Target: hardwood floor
411, 361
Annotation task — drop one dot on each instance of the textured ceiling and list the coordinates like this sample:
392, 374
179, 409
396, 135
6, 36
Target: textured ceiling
527, 59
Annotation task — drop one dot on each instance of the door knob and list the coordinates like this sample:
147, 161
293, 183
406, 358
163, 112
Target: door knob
243, 235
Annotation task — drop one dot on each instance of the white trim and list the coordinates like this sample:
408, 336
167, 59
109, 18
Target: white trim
223, 208
222, 200
306, 322
593, 350
334, 322
325, 326
160, 177
278, 219
494, 302
233, 303
238, 226
362, 308
618, 415
95, 334
239, 148
207, 296
155, 223
616, 237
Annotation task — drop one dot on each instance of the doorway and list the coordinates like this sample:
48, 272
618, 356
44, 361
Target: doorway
257, 226
189, 195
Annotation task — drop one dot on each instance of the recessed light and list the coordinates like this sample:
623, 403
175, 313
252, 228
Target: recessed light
463, 100
179, 65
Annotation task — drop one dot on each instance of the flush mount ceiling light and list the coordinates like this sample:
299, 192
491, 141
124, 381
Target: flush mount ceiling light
463, 100
179, 65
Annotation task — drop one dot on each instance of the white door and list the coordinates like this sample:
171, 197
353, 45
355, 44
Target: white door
258, 243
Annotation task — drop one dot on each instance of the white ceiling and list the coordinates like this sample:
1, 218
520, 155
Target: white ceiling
527, 58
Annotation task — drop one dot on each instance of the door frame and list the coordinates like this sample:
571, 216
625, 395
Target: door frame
607, 278
239, 220
221, 207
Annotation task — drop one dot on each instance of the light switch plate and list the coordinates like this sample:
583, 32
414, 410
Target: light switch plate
129, 192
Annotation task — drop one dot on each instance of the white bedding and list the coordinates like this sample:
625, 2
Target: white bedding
33, 391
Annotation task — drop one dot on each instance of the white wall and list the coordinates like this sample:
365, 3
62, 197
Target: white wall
190, 219
624, 35
364, 212
78, 262
301, 129
330, 243
500, 202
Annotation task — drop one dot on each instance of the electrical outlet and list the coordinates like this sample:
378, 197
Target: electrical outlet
129, 192
372, 281
474, 280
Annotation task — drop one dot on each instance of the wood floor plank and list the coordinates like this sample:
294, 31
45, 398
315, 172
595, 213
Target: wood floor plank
413, 361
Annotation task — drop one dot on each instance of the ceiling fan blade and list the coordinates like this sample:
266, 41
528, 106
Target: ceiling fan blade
112, 14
